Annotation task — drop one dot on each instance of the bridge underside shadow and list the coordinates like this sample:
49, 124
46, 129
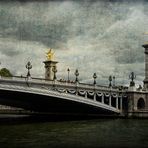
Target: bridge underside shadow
52, 105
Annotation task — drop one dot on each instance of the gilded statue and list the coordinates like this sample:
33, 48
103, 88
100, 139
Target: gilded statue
50, 55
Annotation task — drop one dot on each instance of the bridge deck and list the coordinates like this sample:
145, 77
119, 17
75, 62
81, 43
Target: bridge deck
69, 95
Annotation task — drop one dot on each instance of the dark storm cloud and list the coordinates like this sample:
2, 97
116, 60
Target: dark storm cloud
26, 22
53, 30
107, 35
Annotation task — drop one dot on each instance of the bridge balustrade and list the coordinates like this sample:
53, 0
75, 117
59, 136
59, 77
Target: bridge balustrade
105, 98
57, 83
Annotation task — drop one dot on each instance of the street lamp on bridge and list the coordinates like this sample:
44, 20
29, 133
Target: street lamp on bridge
110, 81
113, 81
68, 70
76, 74
94, 76
28, 67
132, 76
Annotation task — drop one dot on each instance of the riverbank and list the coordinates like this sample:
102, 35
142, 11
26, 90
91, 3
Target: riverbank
14, 116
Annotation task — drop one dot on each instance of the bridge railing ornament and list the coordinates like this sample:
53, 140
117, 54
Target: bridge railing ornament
82, 92
107, 94
91, 93
61, 90
99, 94
71, 91
114, 95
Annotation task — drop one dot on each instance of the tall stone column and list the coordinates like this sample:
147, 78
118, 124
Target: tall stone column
50, 65
146, 66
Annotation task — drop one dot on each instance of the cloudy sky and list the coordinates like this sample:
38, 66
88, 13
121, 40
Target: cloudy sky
103, 36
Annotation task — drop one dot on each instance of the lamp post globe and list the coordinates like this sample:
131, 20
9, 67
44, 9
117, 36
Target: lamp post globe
76, 74
94, 76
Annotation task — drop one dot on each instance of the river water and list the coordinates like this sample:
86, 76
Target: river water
74, 134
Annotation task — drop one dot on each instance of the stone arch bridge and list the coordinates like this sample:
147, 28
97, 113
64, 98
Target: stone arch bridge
61, 97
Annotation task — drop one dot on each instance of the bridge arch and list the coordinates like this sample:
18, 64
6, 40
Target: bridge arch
140, 103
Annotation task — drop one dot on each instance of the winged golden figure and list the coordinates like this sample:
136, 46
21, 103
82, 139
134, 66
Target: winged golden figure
50, 55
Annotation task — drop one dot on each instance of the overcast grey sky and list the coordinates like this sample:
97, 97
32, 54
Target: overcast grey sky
94, 36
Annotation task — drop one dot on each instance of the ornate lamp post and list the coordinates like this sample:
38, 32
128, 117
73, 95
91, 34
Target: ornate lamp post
110, 81
76, 81
94, 76
28, 66
76, 74
132, 76
0, 69
113, 81
68, 70
110, 85
54, 69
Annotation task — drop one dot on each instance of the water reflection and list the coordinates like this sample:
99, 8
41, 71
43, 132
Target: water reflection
73, 134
